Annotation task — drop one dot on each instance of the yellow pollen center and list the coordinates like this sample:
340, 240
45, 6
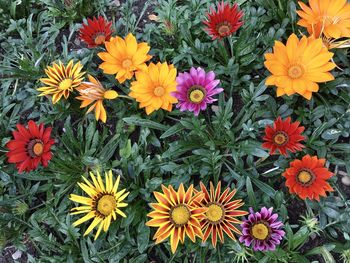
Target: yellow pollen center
280, 138
197, 96
295, 71
65, 84
304, 177
100, 39
260, 231
214, 213
159, 91
38, 149
106, 204
180, 215
127, 63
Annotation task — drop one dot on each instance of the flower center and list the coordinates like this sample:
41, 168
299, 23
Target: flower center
295, 71
196, 94
35, 148
127, 63
280, 138
260, 231
224, 28
305, 177
100, 39
215, 213
106, 204
159, 91
65, 84
180, 215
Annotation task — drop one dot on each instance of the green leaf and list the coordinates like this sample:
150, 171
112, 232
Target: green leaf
251, 194
143, 233
264, 187
145, 123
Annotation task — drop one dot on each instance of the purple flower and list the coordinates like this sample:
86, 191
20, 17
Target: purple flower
195, 89
262, 230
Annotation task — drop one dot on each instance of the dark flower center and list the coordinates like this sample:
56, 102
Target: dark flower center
179, 215
261, 230
280, 138
305, 177
224, 28
99, 39
35, 148
196, 94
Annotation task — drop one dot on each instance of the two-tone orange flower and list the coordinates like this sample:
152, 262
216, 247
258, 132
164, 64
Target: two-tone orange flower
176, 215
299, 66
61, 80
308, 177
124, 57
154, 86
222, 213
93, 93
283, 135
330, 18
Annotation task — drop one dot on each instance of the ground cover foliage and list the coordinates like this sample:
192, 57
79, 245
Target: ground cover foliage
223, 143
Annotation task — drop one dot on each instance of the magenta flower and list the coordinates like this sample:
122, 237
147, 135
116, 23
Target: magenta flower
195, 89
262, 230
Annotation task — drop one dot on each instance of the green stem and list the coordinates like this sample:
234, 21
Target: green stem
125, 97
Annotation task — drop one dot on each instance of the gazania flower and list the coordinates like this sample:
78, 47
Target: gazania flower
61, 80
328, 17
298, 66
94, 93
308, 177
221, 214
223, 22
30, 147
262, 230
196, 89
124, 57
284, 135
95, 32
153, 87
176, 215
102, 204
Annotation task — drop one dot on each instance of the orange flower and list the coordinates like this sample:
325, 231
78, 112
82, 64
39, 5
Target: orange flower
298, 66
124, 57
94, 93
176, 215
328, 17
308, 178
221, 214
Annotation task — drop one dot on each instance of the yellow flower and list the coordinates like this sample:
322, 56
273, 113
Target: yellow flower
298, 66
328, 17
93, 92
176, 215
61, 80
153, 87
124, 57
103, 202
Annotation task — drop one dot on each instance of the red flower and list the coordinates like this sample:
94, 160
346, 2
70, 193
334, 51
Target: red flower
224, 22
96, 31
283, 136
307, 178
30, 147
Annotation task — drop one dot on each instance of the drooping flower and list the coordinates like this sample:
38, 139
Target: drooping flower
308, 177
284, 135
176, 215
61, 80
102, 204
195, 90
94, 93
222, 213
328, 17
95, 32
298, 66
223, 22
30, 147
153, 87
262, 230
124, 57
